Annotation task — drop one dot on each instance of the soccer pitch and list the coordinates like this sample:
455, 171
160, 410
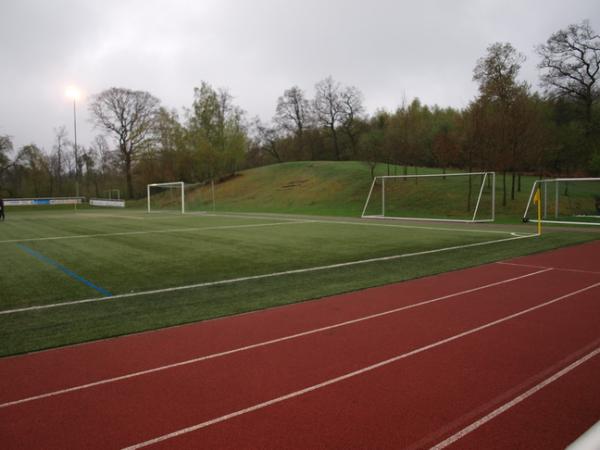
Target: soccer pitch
68, 277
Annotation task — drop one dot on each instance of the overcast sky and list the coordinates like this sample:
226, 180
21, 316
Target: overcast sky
389, 49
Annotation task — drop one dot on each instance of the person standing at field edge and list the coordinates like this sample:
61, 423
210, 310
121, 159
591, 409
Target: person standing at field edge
2, 209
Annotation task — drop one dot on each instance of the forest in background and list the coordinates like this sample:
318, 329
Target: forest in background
508, 127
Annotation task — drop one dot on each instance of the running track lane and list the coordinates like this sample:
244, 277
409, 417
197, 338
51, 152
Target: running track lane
318, 358
420, 401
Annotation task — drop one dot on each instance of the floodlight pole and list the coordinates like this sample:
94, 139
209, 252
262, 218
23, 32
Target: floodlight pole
75, 121
75, 139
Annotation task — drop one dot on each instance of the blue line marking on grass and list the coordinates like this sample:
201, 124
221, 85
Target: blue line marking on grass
62, 268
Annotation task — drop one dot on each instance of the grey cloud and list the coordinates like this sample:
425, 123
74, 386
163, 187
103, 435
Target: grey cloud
388, 49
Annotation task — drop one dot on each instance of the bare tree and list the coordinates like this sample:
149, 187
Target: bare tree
329, 109
268, 138
107, 158
571, 65
352, 112
294, 115
129, 117
57, 158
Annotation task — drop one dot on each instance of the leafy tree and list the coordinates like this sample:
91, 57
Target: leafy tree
171, 159
33, 170
445, 145
129, 117
372, 142
216, 132
406, 137
595, 164
6, 147
499, 90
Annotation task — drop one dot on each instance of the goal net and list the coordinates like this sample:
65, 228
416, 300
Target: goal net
178, 197
565, 200
453, 197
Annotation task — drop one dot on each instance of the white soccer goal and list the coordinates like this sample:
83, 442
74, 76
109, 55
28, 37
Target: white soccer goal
574, 201
166, 197
180, 197
451, 197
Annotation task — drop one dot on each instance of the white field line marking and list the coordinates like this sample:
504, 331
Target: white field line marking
371, 224
354, 373
170, 230
269, 342
514, 233
257, 277
465, 431
532, 266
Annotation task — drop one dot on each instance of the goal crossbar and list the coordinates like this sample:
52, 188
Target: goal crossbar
485, 176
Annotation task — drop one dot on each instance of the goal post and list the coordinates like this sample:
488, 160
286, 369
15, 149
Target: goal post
571, 201
450, 197
163, 197
180, 197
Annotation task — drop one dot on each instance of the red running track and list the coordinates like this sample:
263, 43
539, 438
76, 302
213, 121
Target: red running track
505, 355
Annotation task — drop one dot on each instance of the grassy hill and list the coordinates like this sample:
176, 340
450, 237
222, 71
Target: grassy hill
334, 188
321, 187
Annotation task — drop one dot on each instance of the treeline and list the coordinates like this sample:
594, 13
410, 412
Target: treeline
508, 128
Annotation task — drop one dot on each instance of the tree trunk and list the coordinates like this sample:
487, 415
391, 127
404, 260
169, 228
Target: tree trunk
128, 176
504, 188
336, 148
513, 186
470, 191
588, 114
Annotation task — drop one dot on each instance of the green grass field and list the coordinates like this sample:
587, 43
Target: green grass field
70, 276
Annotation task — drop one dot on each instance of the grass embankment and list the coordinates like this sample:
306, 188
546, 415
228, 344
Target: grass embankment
341, 188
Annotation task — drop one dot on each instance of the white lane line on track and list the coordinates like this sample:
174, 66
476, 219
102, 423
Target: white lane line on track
353, 374
532, 266
495, 413
256, 277
169, 230
269, 342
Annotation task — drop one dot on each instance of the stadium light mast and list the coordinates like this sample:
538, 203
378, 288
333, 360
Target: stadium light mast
74, 93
